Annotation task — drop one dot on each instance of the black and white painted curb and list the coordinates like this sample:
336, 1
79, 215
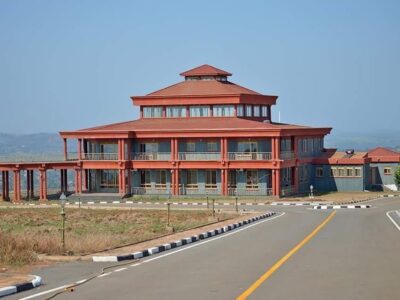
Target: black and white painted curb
340, 206
181, 242
295, 203
165, 203
12, 289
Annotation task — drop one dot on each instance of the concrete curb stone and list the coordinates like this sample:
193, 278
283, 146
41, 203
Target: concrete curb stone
20, 287
181, 242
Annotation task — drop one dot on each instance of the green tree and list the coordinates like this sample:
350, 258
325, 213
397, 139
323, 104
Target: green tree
397, 176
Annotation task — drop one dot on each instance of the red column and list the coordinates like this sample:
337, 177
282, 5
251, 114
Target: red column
43, 184
78, 181
84, 180
224, 182
65, 149
79, 149
129, 181
176, 149
173, 150
17, 185
176, 174
278, 147
222, 149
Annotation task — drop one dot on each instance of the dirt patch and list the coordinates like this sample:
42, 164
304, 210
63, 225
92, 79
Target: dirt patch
26, 233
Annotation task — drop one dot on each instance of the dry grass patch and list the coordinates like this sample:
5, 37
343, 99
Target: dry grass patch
24, 233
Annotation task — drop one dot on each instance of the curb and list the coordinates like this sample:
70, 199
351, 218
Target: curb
340, 206
181, 242
21, 287
164, 203
295, 203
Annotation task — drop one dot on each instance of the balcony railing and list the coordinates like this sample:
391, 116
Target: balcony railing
15, 158
249, 191
100, 156
186, 190
249, 156
287, 190
287, 155
151, 156
150, 191
199, 155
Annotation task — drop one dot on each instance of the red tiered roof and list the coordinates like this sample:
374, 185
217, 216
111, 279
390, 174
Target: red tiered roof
205, 70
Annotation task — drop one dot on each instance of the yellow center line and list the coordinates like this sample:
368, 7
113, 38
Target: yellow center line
280, 262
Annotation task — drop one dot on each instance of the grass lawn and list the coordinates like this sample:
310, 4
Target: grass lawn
26, 232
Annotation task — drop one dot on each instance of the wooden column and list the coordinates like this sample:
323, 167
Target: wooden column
17, 186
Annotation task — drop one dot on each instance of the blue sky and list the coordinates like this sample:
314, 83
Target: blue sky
72, 64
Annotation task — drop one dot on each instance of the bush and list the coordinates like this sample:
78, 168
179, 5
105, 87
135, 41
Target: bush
397, 176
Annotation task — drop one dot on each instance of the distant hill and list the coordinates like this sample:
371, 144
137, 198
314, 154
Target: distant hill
37, 143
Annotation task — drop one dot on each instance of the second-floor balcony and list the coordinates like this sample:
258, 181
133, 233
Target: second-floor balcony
199, 156
151, 156
249, 155
100, 156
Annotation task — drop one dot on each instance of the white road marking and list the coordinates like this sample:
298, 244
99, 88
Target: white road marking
167, 254
391, 219
45, 292
80, 281
119, 270
104, 275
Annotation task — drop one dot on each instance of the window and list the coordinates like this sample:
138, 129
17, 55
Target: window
211, 179
232, 179
176, 111
357, 172
190, 147
239, 111
191, 178
387, 170
264, 111
319, 172
223, 111
212, 147
341, 172
345, 172
148, 147
108, 179
145, 179
333, 172
256, 111
247, 147
349, 172
249, 111
152, 112
252, 179
161, 178
199, 111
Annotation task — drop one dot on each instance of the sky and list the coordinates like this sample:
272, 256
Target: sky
66, 65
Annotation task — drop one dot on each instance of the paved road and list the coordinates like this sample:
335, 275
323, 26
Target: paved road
352, 255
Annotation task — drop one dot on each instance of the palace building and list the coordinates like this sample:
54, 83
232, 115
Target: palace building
204, 135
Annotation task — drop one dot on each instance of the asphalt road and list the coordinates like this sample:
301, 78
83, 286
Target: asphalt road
350, 254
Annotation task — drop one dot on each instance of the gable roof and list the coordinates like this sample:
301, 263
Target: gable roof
205, 70
381, 154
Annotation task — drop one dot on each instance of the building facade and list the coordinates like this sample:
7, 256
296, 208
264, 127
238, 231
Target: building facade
202, 136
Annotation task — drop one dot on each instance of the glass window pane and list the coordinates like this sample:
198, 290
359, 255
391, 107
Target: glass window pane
256, 110
239, 110
249, 111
